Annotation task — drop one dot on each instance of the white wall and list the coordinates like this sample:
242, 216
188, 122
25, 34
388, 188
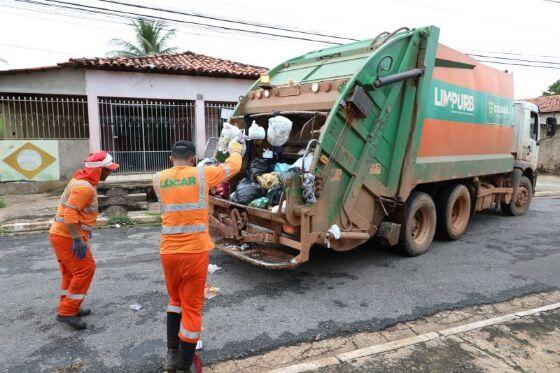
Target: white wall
66, 81
101, 83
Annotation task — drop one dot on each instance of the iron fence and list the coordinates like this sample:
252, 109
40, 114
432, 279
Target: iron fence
27, 116
213, 117
139, 133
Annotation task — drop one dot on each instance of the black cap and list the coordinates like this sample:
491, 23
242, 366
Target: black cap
183, 148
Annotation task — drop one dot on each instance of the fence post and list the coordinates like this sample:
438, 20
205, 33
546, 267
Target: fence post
94, 123
200, 127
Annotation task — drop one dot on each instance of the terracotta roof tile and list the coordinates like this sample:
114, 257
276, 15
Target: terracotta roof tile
547, 104
187, 63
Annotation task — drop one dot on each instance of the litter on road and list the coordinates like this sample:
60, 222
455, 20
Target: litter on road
135, 307
213, 268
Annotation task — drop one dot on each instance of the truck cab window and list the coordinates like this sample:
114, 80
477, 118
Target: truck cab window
534, 131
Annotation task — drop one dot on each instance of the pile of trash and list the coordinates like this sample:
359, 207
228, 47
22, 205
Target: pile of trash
262, 184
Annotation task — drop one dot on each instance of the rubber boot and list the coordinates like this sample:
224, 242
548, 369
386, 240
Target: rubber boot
171, 360
83, 312
73, 321
186, 356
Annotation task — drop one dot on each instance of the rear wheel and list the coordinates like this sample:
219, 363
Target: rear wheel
521, 204
453, 211
418, 224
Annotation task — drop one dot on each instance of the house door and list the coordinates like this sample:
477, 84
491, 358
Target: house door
139, 133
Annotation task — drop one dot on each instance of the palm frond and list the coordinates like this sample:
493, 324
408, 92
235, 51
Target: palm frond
151, 37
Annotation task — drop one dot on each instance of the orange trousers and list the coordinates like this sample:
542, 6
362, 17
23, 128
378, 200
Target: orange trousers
185, 278
76, 275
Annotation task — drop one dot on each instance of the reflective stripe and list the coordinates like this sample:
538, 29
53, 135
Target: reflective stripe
201, 185
174, 309
76, 296
59, 219
189, 206
86, 227
188, 334
177, 229
227, 168
69, 205
63, 292
156, 186
91, 208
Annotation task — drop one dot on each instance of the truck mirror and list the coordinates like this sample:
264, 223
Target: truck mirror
551, 125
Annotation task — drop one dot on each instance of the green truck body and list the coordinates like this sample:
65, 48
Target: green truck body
393, 119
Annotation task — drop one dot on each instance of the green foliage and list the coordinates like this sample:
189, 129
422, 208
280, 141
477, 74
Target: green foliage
4, 230
553, 89
1, 128
120, 219
2, 202
151, 39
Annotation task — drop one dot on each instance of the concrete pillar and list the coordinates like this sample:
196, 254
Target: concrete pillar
94, 123
200, 129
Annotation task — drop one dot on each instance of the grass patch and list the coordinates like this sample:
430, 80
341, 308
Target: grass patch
4, 230
120, 219
2, 202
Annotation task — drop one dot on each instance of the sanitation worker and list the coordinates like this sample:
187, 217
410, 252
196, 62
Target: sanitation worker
185, 243
70, 236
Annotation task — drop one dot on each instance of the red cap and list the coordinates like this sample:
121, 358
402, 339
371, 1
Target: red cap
100, 159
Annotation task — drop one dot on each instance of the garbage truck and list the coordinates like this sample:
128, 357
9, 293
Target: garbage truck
407, 137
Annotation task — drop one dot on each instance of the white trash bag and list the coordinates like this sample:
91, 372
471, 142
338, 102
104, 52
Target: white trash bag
229, 132
256, 132
305, 165
279, 129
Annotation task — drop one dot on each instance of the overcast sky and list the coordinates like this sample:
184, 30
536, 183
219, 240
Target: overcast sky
35, 36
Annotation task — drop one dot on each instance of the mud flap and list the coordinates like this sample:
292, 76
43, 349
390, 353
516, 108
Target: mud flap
260, 255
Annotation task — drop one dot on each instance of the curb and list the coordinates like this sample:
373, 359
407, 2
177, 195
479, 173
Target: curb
394, 345
38, 226
547, 193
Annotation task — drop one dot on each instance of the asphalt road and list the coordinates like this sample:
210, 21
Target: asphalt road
258, 310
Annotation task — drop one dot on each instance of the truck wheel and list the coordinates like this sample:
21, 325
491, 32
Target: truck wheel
418, 224
523, 200
453, 211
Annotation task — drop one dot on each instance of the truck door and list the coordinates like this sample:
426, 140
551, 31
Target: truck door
531, 138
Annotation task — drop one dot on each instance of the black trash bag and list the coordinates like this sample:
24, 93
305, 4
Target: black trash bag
274, 194
247, 191
260, 166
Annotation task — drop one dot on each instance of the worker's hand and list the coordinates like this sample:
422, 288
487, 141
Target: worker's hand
235, 147
79, 248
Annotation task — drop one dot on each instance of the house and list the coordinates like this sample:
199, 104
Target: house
135, 108
549, 150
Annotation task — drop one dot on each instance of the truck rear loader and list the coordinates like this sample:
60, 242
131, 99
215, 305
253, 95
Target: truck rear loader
409, 138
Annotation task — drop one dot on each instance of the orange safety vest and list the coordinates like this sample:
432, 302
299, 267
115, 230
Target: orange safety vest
78, 204
183, 196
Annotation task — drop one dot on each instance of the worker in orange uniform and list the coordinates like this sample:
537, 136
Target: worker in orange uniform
185, 243
70, 234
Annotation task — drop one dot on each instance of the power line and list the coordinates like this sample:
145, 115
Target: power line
513, 59
515, 54
130, 15
39, 49
520, 64
222, 19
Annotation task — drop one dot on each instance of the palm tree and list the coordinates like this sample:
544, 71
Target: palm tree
151, 37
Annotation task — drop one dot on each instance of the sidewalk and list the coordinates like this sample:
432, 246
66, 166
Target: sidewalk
528, 344
522, 334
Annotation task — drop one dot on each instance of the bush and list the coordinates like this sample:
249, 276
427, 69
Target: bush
120, 219
2, 202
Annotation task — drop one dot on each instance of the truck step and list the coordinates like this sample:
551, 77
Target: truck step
259, 255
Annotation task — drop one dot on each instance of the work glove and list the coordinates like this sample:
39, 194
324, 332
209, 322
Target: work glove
79, 248
235, 147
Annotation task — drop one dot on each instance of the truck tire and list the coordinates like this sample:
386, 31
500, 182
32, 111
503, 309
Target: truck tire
523, 200
453, 211
418, 224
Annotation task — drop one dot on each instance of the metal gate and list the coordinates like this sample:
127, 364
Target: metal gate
214, 118
139, 133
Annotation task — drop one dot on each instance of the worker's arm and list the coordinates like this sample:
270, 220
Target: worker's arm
215, 175
80, 197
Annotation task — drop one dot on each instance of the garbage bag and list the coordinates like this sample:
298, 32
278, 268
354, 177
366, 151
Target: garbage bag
229, 132
256, 132
221, 190
300, 163
274, 194
247, 190
279, 129
207, 162
260, 203
260, 166
269, 180
281, 167
307, 188
283, 176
